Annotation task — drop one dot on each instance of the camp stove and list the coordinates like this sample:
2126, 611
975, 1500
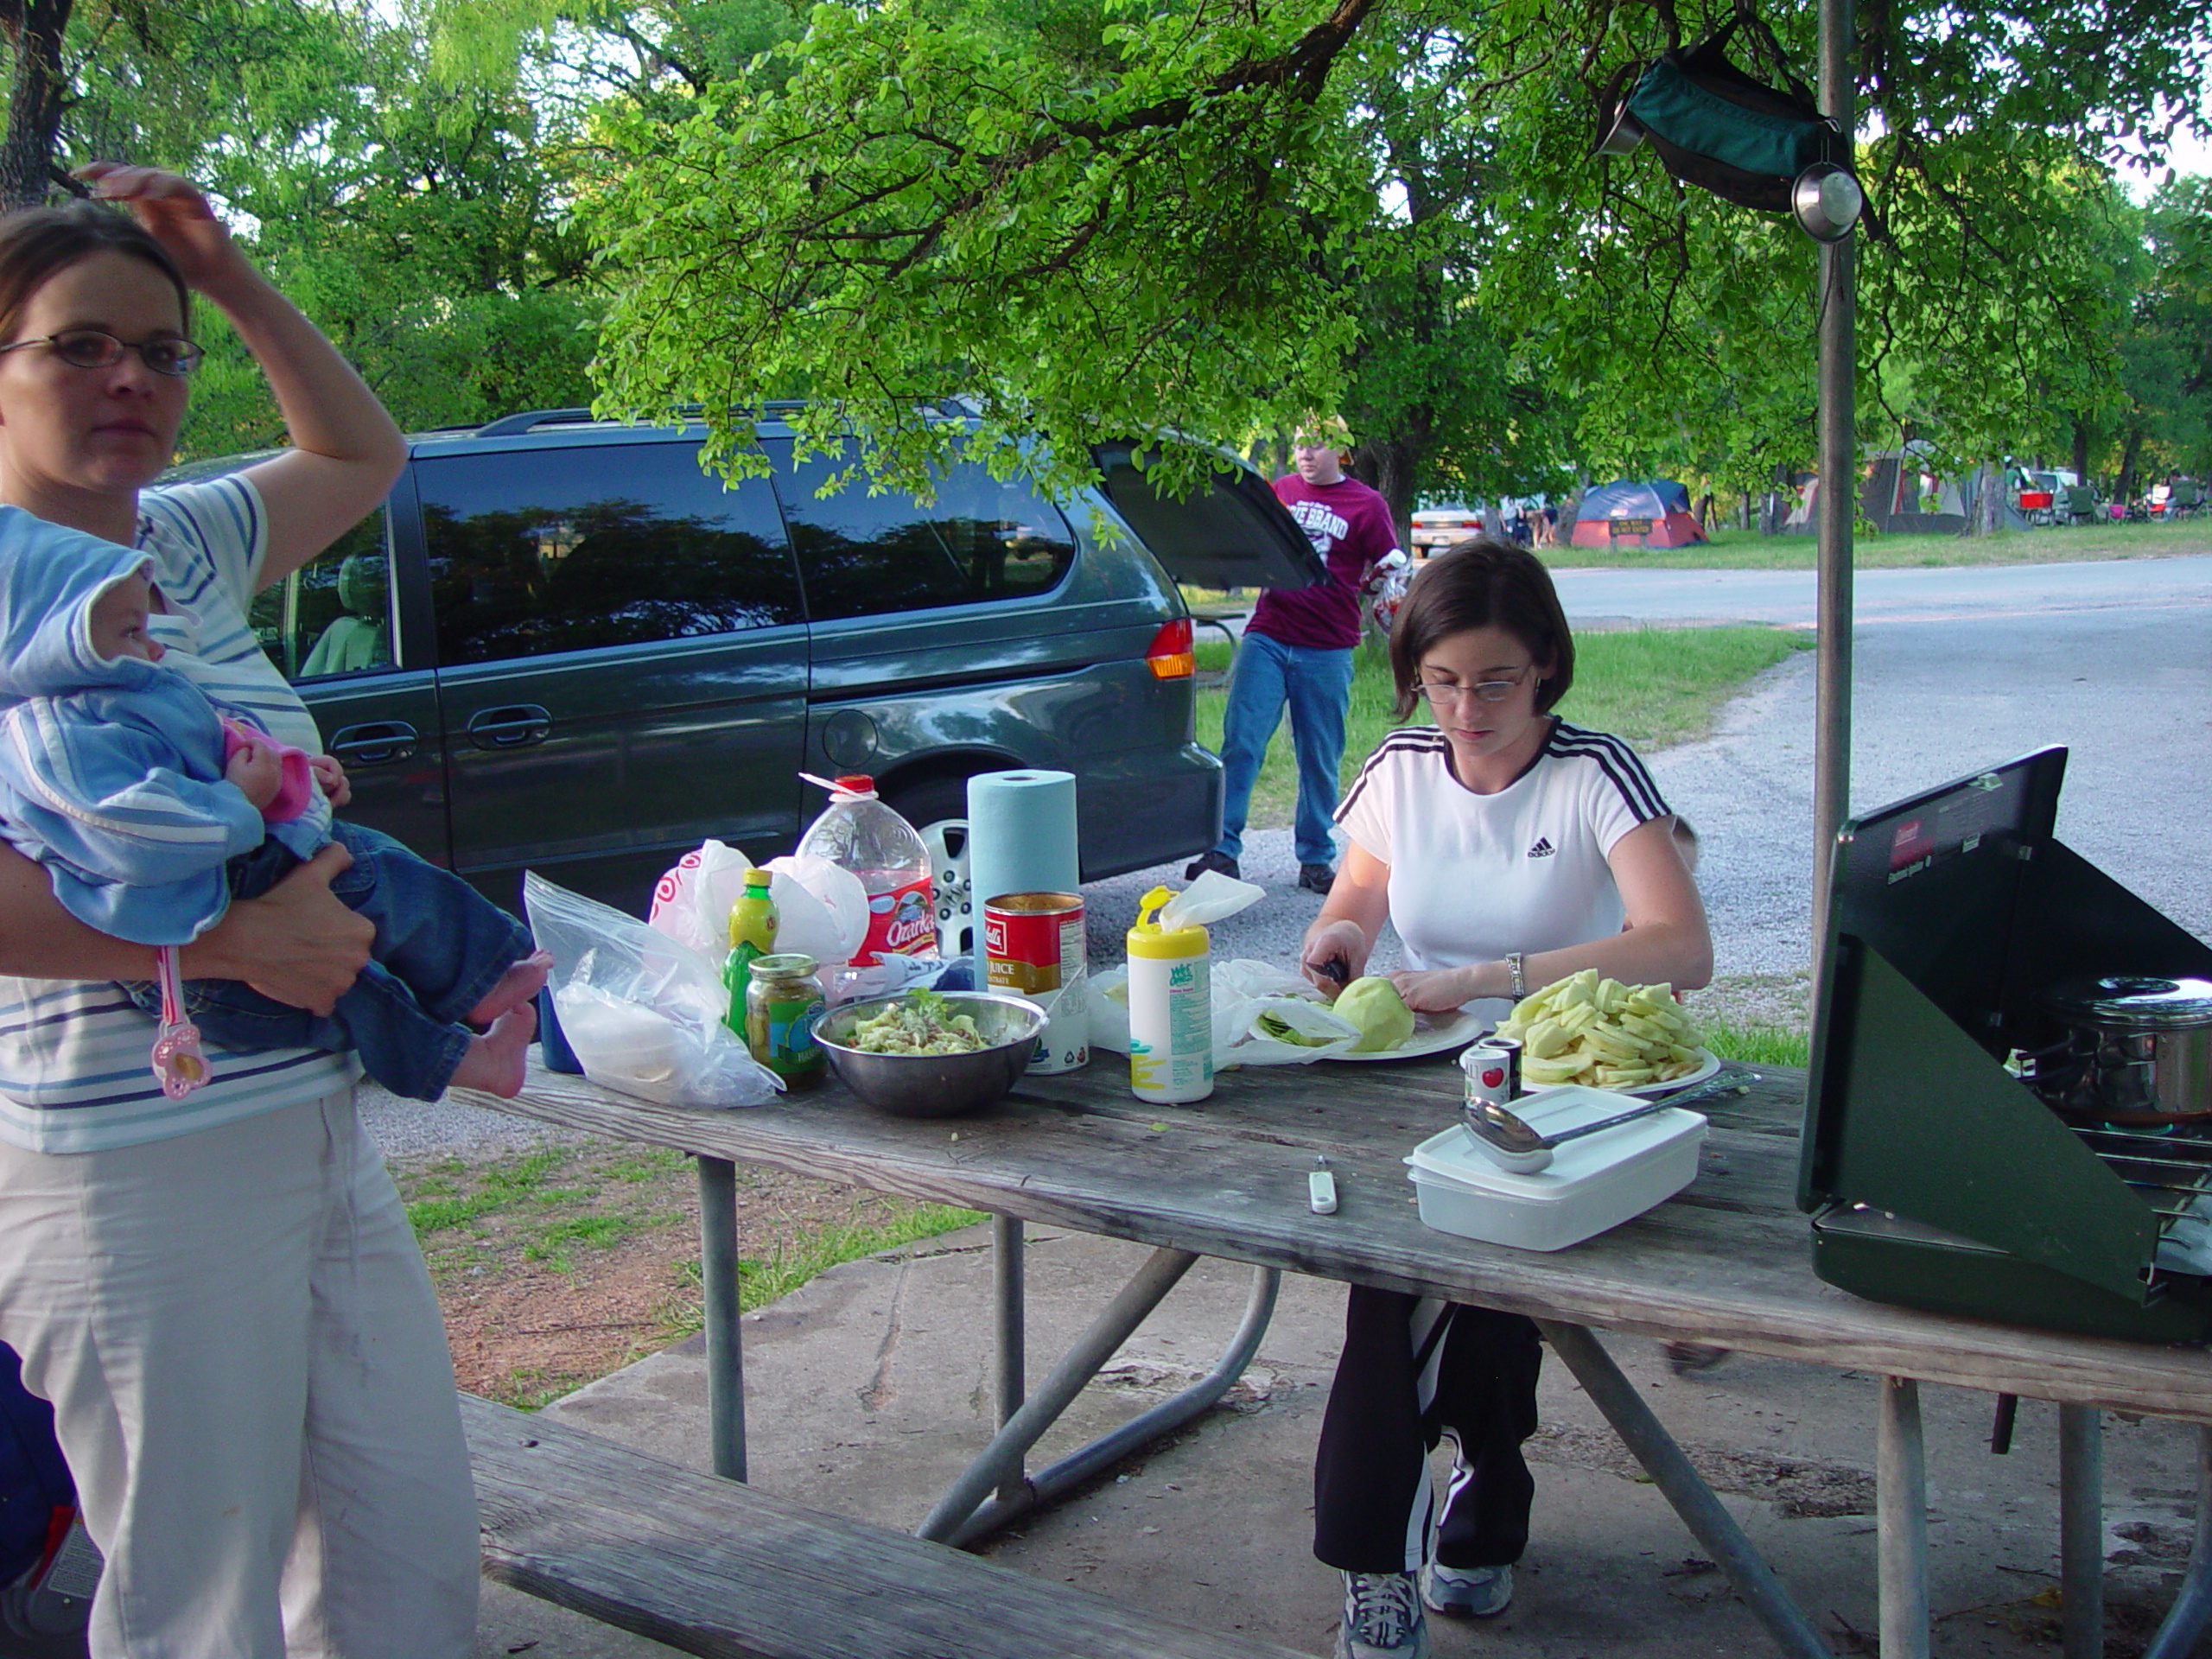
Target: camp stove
1945, 1164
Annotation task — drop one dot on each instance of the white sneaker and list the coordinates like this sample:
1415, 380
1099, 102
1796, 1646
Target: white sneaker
1382, 1618
1467, 1592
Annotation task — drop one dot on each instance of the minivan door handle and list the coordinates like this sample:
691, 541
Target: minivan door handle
378, 743
515, 726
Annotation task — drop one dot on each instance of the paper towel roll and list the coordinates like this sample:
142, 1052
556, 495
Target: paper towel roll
1022, 838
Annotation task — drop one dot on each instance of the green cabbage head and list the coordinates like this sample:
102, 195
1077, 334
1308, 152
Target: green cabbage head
1373, 1004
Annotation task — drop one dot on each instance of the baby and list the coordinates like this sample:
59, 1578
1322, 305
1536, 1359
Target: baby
151, 809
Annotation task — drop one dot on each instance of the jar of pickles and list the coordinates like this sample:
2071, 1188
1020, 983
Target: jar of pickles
782, 1002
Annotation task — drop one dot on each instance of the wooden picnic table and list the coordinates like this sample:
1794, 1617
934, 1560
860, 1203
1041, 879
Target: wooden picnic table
1727, 1261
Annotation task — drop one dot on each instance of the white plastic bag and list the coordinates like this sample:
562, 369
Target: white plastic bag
821, 909
693, 899
1243, 990
643, 1013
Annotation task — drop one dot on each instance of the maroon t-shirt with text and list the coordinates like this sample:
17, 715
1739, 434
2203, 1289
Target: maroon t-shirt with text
1350, 527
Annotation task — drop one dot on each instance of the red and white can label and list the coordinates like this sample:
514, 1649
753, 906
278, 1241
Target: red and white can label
1033, 942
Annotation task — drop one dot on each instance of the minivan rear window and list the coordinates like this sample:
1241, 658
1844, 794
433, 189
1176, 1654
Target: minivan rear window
574, 548
862, 555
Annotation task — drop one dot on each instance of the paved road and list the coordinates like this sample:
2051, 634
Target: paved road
1969, 591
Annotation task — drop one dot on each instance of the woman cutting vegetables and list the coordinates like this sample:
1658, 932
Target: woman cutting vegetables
1509, 850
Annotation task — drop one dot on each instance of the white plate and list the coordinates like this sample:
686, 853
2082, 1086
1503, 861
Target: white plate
1708, 1065
1456, 1031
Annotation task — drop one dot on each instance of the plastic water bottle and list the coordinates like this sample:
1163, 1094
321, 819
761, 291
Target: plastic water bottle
861, 834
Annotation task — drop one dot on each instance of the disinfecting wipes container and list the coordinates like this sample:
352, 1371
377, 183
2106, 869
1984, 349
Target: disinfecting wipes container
1594, 1184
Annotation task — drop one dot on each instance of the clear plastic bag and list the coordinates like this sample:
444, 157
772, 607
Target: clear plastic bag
643, 1013
1244, 994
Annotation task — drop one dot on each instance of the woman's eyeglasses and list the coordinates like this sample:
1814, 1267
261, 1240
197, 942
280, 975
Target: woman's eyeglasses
90, 349
1488, 690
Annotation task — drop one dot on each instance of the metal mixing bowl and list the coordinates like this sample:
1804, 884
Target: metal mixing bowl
937, 1085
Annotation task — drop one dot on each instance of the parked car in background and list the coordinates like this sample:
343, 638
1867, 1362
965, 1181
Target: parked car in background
562, 646
1435, 529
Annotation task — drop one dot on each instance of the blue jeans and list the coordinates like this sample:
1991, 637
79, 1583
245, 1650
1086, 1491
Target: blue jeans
440, 947
1316, 684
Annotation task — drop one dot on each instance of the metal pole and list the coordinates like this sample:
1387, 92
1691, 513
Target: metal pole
718, 1290
991, 1471
1839, 488
1063, 1475
1012, 1369
1901, 1521
2193, 1606
1684, 1488
2082, 1530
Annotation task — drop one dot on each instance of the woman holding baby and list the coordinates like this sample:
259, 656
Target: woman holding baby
220, 1293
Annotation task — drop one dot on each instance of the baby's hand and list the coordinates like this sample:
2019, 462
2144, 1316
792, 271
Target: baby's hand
332, 777
258, 770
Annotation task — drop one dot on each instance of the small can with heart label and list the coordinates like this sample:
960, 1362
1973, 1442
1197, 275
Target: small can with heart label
1493, 1069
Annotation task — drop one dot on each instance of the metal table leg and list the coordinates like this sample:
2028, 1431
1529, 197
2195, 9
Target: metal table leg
2082, 1530
1901, 1518
963, 1516
1684, 1488
1013, 1367
2192, 1607
718, 1291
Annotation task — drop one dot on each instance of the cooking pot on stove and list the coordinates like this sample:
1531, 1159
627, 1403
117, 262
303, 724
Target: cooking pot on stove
2139, 1049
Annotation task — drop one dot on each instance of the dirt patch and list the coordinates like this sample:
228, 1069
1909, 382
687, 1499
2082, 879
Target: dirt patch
1800, 1487
558, 1265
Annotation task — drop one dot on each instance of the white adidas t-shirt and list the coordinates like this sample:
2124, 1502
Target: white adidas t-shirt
1475, 876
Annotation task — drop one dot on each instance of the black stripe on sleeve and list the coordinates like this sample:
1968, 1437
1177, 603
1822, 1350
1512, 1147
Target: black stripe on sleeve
1620, 764
1413, 740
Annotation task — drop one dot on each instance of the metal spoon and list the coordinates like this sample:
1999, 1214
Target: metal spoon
1515, 1143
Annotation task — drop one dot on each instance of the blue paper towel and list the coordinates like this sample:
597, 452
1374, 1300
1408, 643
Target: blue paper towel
1022, 838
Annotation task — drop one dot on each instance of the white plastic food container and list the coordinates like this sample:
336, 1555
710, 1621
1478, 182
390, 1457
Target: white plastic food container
1594, 1184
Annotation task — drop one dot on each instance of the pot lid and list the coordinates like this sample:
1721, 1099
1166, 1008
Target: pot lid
2132, 999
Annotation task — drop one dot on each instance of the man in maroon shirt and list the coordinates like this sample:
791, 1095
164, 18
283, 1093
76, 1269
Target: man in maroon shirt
1297, 650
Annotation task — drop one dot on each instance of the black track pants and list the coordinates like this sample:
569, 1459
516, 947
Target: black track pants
1412, 1368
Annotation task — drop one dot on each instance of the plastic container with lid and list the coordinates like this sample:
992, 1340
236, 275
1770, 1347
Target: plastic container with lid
861, 834
1171, 1008
1593, 1185
783, 1003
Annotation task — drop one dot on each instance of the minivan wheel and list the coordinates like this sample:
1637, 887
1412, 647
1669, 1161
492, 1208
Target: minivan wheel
937, 807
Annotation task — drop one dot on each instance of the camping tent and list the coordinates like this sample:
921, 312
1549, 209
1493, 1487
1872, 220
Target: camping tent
1651, 512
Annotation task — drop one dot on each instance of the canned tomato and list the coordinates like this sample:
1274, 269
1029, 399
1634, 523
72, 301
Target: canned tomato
1033, 946
1493, 1069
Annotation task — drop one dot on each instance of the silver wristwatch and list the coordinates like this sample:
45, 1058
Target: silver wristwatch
1514, 960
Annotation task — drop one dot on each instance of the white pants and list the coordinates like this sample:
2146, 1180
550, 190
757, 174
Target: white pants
252, 1386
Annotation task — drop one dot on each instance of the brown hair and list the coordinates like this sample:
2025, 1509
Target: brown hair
1482, 582
36, 242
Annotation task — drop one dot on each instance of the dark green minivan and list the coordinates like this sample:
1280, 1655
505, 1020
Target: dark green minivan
563, 647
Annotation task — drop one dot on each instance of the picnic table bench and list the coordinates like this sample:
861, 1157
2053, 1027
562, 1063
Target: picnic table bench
713, 1566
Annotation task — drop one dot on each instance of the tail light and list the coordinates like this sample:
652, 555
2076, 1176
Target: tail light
1170, 656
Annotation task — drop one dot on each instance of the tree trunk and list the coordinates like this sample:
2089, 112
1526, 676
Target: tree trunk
2124, 488
2081, 452
34, 32
1389, 467
1988, 514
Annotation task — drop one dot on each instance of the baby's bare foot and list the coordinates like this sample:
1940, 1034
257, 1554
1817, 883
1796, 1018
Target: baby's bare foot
497, 1062
516, 987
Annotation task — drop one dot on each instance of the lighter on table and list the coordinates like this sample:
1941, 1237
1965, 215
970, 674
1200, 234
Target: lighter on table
1321, 1189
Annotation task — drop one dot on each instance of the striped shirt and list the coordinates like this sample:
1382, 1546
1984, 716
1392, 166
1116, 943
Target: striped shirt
74, 1071
1474, 876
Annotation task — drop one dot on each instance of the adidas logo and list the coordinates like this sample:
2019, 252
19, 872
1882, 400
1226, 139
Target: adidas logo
1543, 848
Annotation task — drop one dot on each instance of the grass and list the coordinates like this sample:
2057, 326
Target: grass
1737, 549
1757, 1045
786, 1267
1652, 686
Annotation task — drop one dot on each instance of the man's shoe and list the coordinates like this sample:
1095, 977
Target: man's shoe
1382, 1618
1220, 861
1316, 878
1467, 1592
